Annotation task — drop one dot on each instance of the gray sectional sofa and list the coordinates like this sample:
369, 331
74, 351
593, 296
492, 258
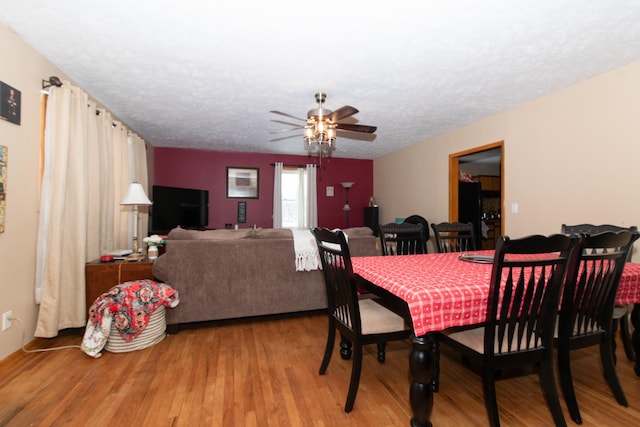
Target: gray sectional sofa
227, 274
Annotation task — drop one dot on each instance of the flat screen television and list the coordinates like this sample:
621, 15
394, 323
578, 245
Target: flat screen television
175, 206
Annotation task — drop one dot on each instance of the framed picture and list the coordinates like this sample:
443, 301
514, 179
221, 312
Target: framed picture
242, 212
242, 183
9, 103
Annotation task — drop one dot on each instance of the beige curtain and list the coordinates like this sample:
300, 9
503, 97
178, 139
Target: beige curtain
86, 174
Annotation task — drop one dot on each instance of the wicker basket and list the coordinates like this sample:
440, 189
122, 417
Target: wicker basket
152, 334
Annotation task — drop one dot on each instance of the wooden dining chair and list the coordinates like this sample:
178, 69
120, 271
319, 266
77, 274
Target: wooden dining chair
621, 313
402, 239
417, 219
586, 313
361, 321
454, 237
526, 282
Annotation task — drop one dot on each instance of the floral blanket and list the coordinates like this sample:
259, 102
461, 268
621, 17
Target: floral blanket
129, 306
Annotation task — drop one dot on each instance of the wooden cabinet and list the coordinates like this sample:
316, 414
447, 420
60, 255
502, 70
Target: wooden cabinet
489, 183
102, 276
371, 218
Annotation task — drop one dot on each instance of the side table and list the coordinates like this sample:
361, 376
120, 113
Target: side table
102, 276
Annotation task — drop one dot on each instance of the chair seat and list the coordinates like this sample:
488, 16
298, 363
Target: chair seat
619, 311
377, 319
474, 340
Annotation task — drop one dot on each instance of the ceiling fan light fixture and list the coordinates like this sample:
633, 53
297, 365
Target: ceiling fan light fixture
320, 131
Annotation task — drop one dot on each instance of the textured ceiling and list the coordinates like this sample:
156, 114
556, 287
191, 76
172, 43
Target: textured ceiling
205, 74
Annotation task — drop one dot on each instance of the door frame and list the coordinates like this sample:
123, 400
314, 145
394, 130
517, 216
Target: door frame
454, 170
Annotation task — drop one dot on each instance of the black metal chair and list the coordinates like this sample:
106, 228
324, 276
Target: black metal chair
417, 219
526, 283
621, 312
586, 312
402, 239
454, 237
361, 321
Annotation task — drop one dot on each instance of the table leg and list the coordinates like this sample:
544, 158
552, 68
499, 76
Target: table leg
421, 368
635, 336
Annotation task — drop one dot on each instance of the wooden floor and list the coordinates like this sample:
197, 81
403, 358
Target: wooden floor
265, 373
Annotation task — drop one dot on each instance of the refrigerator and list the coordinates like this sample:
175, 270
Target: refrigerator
470, 207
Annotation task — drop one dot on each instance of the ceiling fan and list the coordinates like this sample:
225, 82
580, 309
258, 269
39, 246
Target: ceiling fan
319, 132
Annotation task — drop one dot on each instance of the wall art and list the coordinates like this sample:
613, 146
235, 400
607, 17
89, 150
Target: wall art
242, 183
9, 103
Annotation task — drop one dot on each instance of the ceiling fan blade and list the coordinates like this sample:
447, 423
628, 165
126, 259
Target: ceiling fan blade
289, 124
286, 130
356, 128
342, 113
284, 137
287, 115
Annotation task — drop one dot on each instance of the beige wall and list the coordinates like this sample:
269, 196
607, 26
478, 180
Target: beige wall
572, 156
22, 68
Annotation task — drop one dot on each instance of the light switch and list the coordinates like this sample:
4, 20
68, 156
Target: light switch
514, 208
329, 191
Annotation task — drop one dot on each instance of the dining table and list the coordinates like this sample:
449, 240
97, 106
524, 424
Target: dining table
446, 290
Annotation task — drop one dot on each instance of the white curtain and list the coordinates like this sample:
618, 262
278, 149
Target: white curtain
311, 205
82, 182
277, 196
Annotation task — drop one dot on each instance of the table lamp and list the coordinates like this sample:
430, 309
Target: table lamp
135, 196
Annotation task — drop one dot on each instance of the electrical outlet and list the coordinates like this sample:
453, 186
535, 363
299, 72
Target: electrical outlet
6, 323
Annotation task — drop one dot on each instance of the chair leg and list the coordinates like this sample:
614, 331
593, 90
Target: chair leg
331, 338
566, 383
609, 367
550, 391
626, 338
381, 352
490, 400
356, 368
345, 348
435, 354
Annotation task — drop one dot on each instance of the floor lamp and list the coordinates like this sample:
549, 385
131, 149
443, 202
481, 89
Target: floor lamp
346, 208
135, 197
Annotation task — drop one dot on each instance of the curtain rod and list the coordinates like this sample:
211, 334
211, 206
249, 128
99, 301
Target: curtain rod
291, 165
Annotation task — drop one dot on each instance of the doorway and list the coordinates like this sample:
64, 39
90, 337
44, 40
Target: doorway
484, 163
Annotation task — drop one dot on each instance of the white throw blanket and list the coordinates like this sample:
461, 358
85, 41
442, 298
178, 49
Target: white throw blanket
304, 244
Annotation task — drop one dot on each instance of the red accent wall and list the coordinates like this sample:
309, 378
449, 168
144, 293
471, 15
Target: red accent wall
206, 170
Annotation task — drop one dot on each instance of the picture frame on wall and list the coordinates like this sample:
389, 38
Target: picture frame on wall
10, 103
242, 183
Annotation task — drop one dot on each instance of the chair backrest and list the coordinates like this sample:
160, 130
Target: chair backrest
402, 239
417, 219
454, 236
592, 283
526, 284
595, 229
338, 277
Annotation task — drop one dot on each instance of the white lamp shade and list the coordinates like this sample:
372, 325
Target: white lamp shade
347, 184
135, 195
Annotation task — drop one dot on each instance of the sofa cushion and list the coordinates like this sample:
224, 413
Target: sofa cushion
273, 233
179, 233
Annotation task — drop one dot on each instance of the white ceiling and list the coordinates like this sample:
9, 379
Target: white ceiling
205, 74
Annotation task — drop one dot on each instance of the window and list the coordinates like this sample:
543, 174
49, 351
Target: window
294, 197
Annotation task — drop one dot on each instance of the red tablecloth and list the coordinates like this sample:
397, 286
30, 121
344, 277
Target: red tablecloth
443, 291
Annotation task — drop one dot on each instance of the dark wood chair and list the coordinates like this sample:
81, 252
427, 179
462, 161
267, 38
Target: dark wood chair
361, 321
621, 312
417, 219
588, 301
454, 237
521, 315
402, 239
